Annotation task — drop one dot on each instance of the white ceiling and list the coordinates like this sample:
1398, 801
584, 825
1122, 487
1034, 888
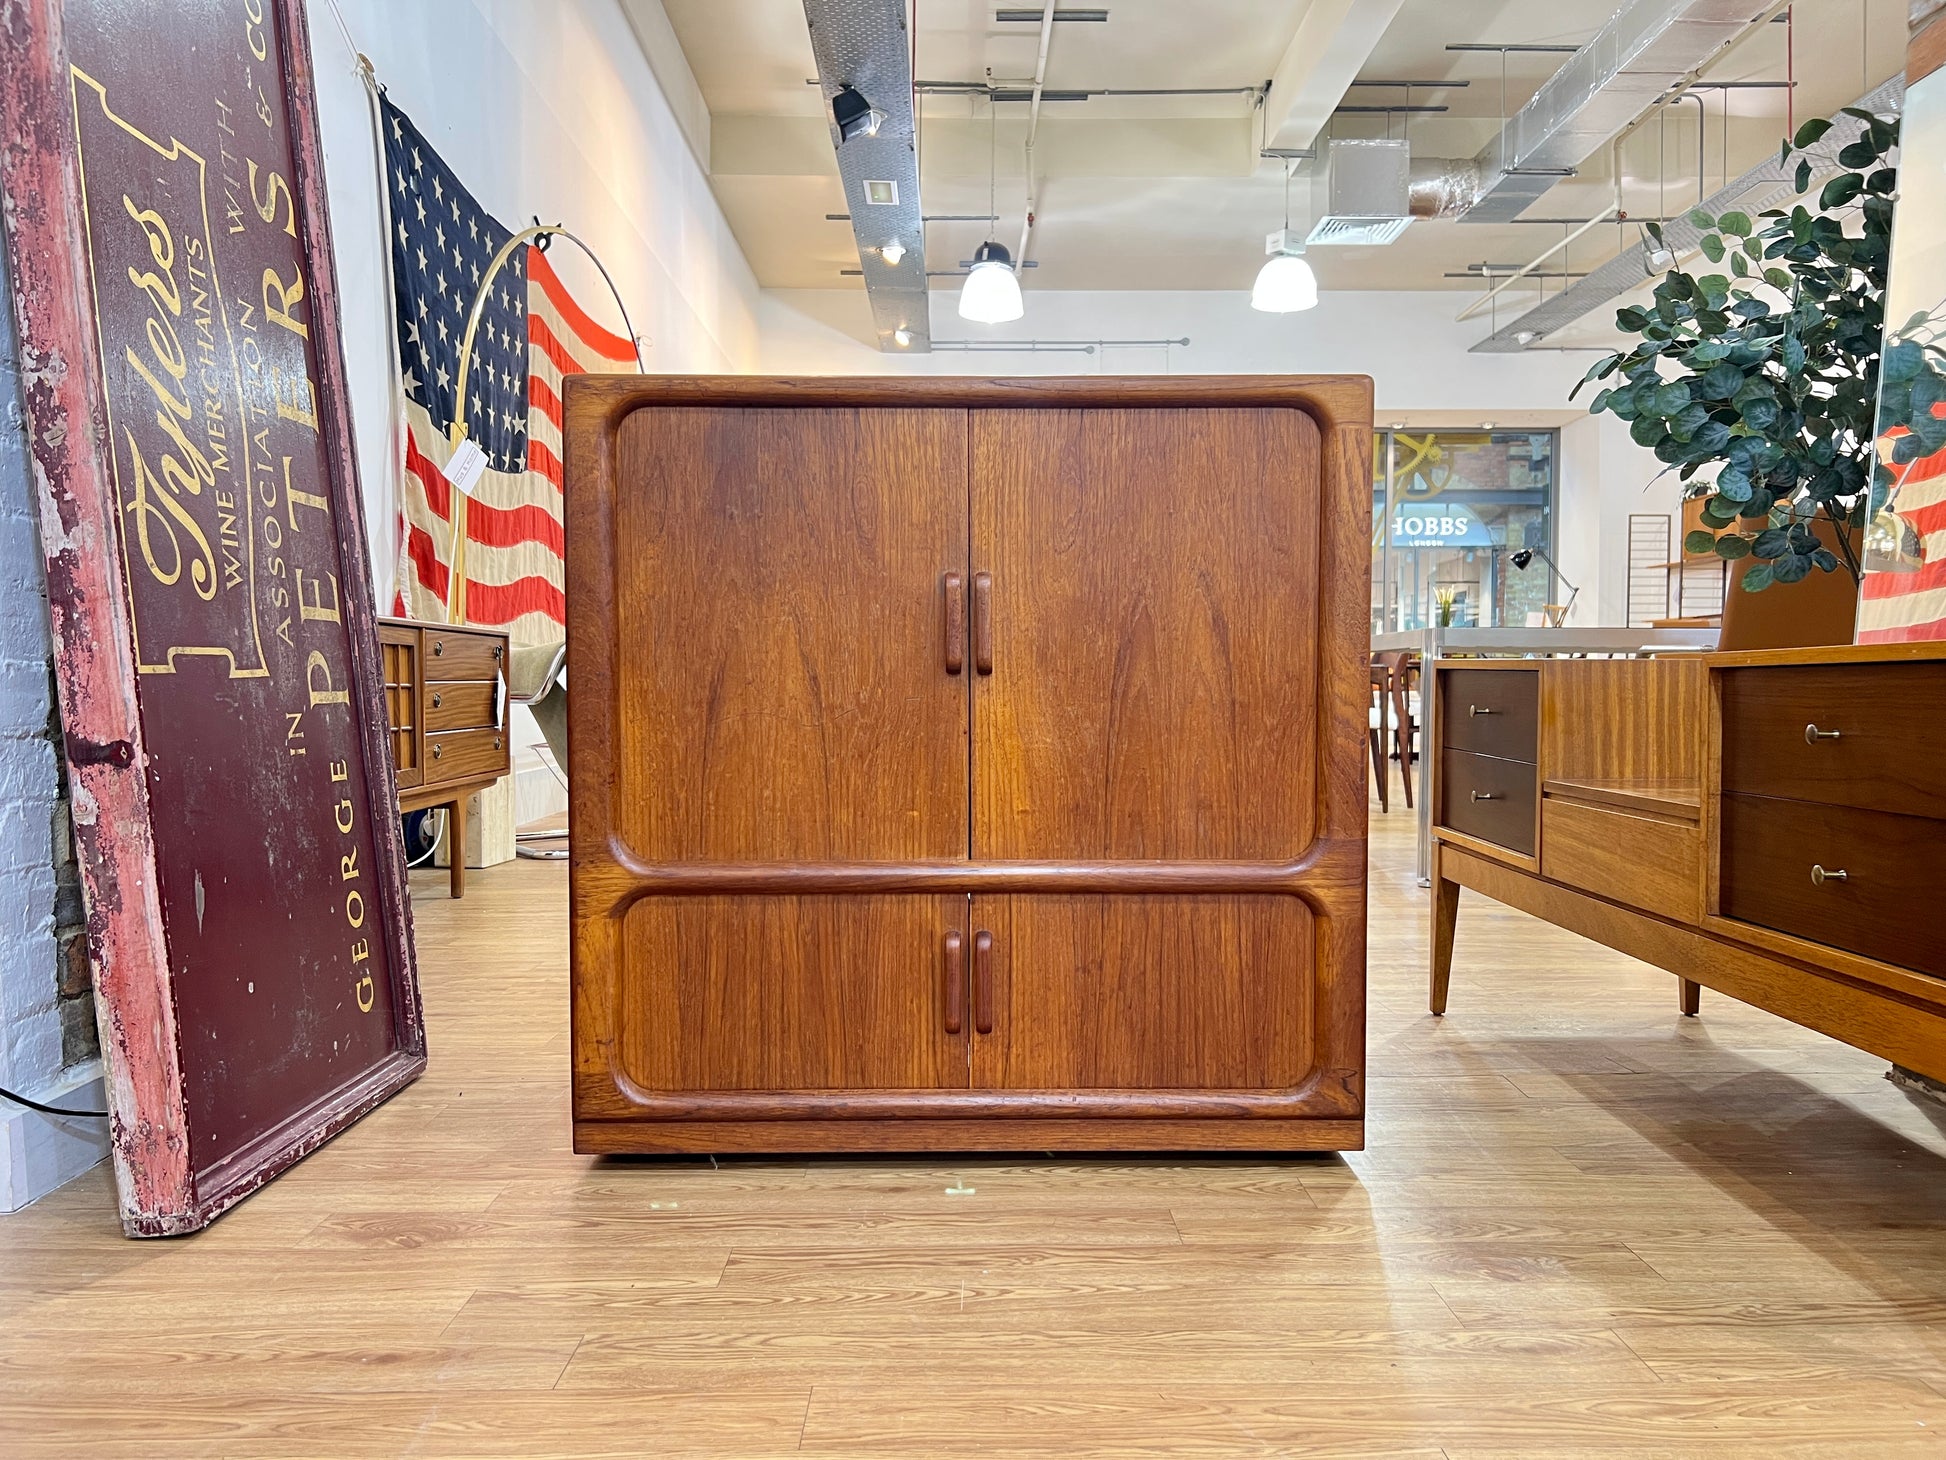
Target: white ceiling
1169, 193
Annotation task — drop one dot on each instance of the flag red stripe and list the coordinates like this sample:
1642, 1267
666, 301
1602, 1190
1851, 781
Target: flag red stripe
502, 603
1898, 585
425, 557
604, 342
486, 524
1908, 634
541, 397
541, 335
541, 458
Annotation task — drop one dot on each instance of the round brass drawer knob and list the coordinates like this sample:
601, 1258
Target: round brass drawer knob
1819, 876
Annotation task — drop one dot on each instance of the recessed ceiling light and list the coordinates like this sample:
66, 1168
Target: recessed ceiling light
882, 191
892, 252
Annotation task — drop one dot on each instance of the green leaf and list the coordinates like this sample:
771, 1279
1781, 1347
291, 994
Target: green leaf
1811, 131
1699, 542
1722, 381
1903, 361
1712, 246
1804, 175
1647, 430
1791, 568
1778, 279
1654, 230
1701, 219
1714, 288
1631, 320
1858, 155
1734, 223
1772, 542
1671, 398
1731, 547
1757, 578
1733, 486
1841, 190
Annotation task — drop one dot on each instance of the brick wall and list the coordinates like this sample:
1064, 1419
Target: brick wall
47, 1036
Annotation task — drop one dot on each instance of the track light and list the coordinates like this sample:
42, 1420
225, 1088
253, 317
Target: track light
1660, 259
991, 294
901, 336
1524, 338
855, 116
892, 252
1285, 284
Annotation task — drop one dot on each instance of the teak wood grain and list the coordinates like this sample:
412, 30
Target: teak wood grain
1876, 728
796, 607
1623, 720
1155, 621
1106, 992
784, 694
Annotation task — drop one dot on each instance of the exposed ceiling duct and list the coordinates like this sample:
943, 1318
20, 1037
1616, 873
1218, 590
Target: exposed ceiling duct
864, 45
1645, 50
1770, 184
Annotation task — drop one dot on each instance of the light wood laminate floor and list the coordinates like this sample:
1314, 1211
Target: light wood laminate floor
1584, 1227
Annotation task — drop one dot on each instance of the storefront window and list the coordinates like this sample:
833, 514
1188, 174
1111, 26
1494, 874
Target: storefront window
1448, 508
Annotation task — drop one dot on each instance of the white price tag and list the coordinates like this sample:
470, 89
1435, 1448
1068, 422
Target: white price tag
464, 469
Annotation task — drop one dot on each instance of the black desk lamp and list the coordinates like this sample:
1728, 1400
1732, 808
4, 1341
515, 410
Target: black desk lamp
1557, 613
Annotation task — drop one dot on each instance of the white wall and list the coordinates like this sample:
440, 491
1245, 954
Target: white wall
37, 1152
1408, 342
543, 107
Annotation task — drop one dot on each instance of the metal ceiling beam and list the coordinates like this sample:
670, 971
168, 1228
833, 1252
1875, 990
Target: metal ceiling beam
1333, 41
1770, 184
864, 44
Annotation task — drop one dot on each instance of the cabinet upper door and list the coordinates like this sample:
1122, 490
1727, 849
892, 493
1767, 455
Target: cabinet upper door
781, 686
1153, 614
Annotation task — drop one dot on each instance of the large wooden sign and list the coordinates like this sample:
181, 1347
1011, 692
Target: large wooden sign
217, 656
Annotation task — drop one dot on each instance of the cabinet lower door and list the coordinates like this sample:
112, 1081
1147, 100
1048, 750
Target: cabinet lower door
828, 993
1138, 992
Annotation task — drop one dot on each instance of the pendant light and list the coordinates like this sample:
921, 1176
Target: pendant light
1285, 284
991, 293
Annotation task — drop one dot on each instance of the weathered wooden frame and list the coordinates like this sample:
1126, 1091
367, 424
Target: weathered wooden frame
160, 1191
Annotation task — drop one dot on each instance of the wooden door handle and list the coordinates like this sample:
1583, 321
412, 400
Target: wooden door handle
983, 624
983, 982
955, 631
955, 982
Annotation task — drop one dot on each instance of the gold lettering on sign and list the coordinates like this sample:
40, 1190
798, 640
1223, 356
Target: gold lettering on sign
188, 552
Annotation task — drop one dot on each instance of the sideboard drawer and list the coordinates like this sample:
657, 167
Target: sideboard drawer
1884, 906
1488, 797
458, 755
1778, 741
1491, 712
456, 654
468, 705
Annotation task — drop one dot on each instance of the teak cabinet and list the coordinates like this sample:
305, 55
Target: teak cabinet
1769, 824
968, 764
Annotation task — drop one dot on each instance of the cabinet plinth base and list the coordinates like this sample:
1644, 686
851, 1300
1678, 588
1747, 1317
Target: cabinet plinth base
818, 1137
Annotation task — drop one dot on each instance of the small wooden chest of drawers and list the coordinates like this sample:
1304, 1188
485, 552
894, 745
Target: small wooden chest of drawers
1833, 813
446, 699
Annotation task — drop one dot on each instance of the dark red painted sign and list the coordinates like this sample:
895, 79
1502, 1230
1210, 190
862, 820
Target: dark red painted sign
207, 570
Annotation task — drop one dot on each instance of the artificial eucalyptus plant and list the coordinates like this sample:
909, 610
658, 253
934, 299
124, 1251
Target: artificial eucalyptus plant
1768, 372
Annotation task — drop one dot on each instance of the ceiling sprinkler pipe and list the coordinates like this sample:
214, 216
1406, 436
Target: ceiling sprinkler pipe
1033, 127
1443, 187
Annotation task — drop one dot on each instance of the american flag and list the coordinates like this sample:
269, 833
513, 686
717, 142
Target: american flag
1909, 603
531, 335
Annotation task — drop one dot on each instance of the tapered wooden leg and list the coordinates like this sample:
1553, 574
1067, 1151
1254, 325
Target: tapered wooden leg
1445, 915
1379, 772
1405, 757
1692, 996
456, 845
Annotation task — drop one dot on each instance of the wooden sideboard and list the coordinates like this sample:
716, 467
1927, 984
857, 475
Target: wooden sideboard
1771, 825
968, 764
446, 700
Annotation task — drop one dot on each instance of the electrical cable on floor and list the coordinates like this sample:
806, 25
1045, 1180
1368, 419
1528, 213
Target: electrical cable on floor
49, 1109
